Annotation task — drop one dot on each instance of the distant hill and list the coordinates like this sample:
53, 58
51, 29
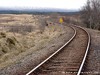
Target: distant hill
30, 11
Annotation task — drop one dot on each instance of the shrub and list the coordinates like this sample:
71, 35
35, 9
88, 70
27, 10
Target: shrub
10, 41
3, 34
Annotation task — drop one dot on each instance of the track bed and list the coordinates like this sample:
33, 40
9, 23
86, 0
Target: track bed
68, 60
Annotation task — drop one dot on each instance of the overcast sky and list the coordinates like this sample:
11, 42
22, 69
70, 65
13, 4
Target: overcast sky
69, 4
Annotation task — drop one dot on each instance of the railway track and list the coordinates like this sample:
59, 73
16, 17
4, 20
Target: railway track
69, 59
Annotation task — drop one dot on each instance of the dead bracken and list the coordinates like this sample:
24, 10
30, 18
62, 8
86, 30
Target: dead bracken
15, 47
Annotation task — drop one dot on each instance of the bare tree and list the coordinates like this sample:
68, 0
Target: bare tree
90, 14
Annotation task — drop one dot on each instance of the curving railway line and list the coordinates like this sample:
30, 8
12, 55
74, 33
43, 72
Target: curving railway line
69, 59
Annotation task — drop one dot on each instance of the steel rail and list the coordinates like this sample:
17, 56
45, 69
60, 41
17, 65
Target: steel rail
54, 52
87, 50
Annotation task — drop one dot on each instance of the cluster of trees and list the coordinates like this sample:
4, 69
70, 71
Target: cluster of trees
90, 14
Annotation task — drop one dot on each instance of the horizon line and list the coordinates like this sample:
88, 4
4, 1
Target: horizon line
26, 8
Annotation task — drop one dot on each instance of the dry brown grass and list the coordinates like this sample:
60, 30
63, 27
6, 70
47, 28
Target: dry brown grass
14, 47
11, 19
